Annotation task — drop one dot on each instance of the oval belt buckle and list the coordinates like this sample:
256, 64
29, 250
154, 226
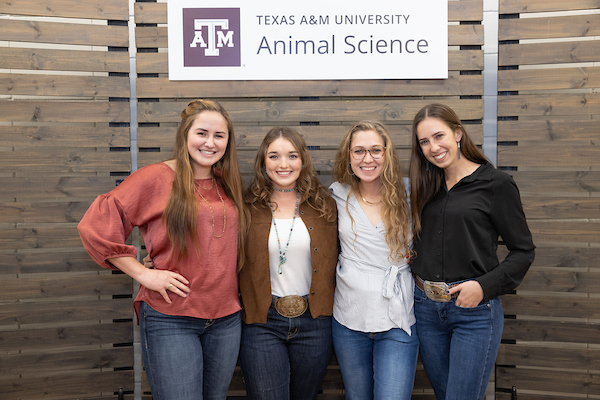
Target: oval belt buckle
437, 291
291, 306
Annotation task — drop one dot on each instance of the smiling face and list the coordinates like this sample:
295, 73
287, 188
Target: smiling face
438, 142
207, 141
283, 164
367, 169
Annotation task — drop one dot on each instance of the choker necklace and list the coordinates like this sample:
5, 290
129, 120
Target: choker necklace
283, 190
212, 182
211, 210
282, 258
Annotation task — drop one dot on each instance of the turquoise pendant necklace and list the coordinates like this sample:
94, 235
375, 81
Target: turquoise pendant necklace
282, 258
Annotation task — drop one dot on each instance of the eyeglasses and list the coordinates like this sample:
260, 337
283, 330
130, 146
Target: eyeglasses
358, 153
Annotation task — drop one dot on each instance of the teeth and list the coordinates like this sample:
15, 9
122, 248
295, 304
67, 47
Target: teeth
207, 152
367, 168
439, 156
284, 173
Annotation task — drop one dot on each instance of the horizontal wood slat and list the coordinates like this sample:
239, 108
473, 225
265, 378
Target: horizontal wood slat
64, 85
284, 112
39, 237
458, 60
564, 207
549, 53
454, 85
54, 32
56, 161
35, 188
66, 285
545, 356
47, 262
567, 257
529, 396
531, 6
549, 27
549, 79
63, 136
567, 104
94, 9
78, 360
564, 182
538, 156
551, 331
548, 130
68, 336
64, 60
43, 312
560, 281
548, 381
43, 212
564, 231
64, 111
551, 306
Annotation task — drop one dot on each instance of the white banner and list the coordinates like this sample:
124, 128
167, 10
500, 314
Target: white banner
310, 39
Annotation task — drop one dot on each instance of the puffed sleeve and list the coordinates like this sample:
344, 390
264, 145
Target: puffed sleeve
104, 229
509, 220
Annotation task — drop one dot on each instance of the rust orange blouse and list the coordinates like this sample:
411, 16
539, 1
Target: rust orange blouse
140, 201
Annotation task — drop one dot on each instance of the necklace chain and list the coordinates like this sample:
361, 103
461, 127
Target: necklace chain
282, 257
211, 209
283, 190
368, 202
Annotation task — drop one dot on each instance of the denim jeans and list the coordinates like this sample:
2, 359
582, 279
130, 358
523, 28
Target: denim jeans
378, 366
286, 358
188, 358
458, 345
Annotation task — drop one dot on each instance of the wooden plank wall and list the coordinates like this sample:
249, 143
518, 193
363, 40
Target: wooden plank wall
65, 325
548, 134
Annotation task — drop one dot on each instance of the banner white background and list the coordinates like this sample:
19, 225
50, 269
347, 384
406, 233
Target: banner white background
310, 39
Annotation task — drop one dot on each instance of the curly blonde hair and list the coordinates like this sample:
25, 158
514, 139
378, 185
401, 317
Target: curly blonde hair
395, 209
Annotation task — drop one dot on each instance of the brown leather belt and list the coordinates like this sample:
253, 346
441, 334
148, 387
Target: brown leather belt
291, 306
436, 291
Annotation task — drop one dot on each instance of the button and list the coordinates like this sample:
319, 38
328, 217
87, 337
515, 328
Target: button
312, 293
437, 276
439, 254
316, 249
301, 212
315, 271
439, 232
310, 228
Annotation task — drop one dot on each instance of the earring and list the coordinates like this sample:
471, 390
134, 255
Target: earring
265, 169
427, 166
459, 150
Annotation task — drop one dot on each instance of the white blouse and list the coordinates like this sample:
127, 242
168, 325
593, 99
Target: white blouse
372, 294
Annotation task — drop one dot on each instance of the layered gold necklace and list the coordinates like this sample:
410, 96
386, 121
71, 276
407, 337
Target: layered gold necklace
210, 207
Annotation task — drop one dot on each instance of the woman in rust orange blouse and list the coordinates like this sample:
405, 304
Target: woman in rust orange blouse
190, 213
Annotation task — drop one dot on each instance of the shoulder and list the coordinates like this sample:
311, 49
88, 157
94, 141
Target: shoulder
148, 179
339, 190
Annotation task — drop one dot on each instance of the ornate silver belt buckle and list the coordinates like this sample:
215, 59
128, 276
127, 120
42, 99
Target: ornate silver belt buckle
437, 291
291, 306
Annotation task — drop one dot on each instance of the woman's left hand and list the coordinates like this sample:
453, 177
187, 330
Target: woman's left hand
470, 294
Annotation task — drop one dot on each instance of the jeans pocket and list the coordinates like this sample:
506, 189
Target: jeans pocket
420, 296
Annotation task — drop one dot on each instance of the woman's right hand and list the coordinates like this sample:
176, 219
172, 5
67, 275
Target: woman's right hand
157, 280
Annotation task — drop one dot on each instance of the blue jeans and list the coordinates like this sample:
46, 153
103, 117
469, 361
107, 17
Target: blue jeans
378, 365
286, 358
458, 345
189, 358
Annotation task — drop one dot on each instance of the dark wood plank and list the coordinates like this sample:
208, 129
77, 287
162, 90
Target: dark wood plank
548, 104
551, 306
548, 130
549, 79
549, 53
64, 85
55, 32
72, 384
68, 336
549, 27
66, 160
57, 360
63, 111
540, 156
530, 6
544, 356
458, 60
551, 331
561, 207
458, 35
33, 188
560, 281
41, 237
564, 231
529, 396
63, 136
562, 182
47, 262
548, 380
63, 60
567, 257
285, 112
65, 285
43, 212
55, 312
115, 10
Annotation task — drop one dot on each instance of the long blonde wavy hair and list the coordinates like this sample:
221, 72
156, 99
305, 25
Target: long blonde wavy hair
180, 215
395, 211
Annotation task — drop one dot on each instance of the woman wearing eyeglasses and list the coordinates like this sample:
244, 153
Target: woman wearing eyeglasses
374, 324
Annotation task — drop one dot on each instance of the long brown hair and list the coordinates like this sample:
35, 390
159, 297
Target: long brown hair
180, 215
309, 187
395, 210
426, 178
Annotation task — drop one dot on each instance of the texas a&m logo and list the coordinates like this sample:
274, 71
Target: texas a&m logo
211, 37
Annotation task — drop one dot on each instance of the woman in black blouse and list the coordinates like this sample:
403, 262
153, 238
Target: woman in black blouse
460, 205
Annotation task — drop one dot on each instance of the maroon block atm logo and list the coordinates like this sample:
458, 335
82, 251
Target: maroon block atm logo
211, 37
